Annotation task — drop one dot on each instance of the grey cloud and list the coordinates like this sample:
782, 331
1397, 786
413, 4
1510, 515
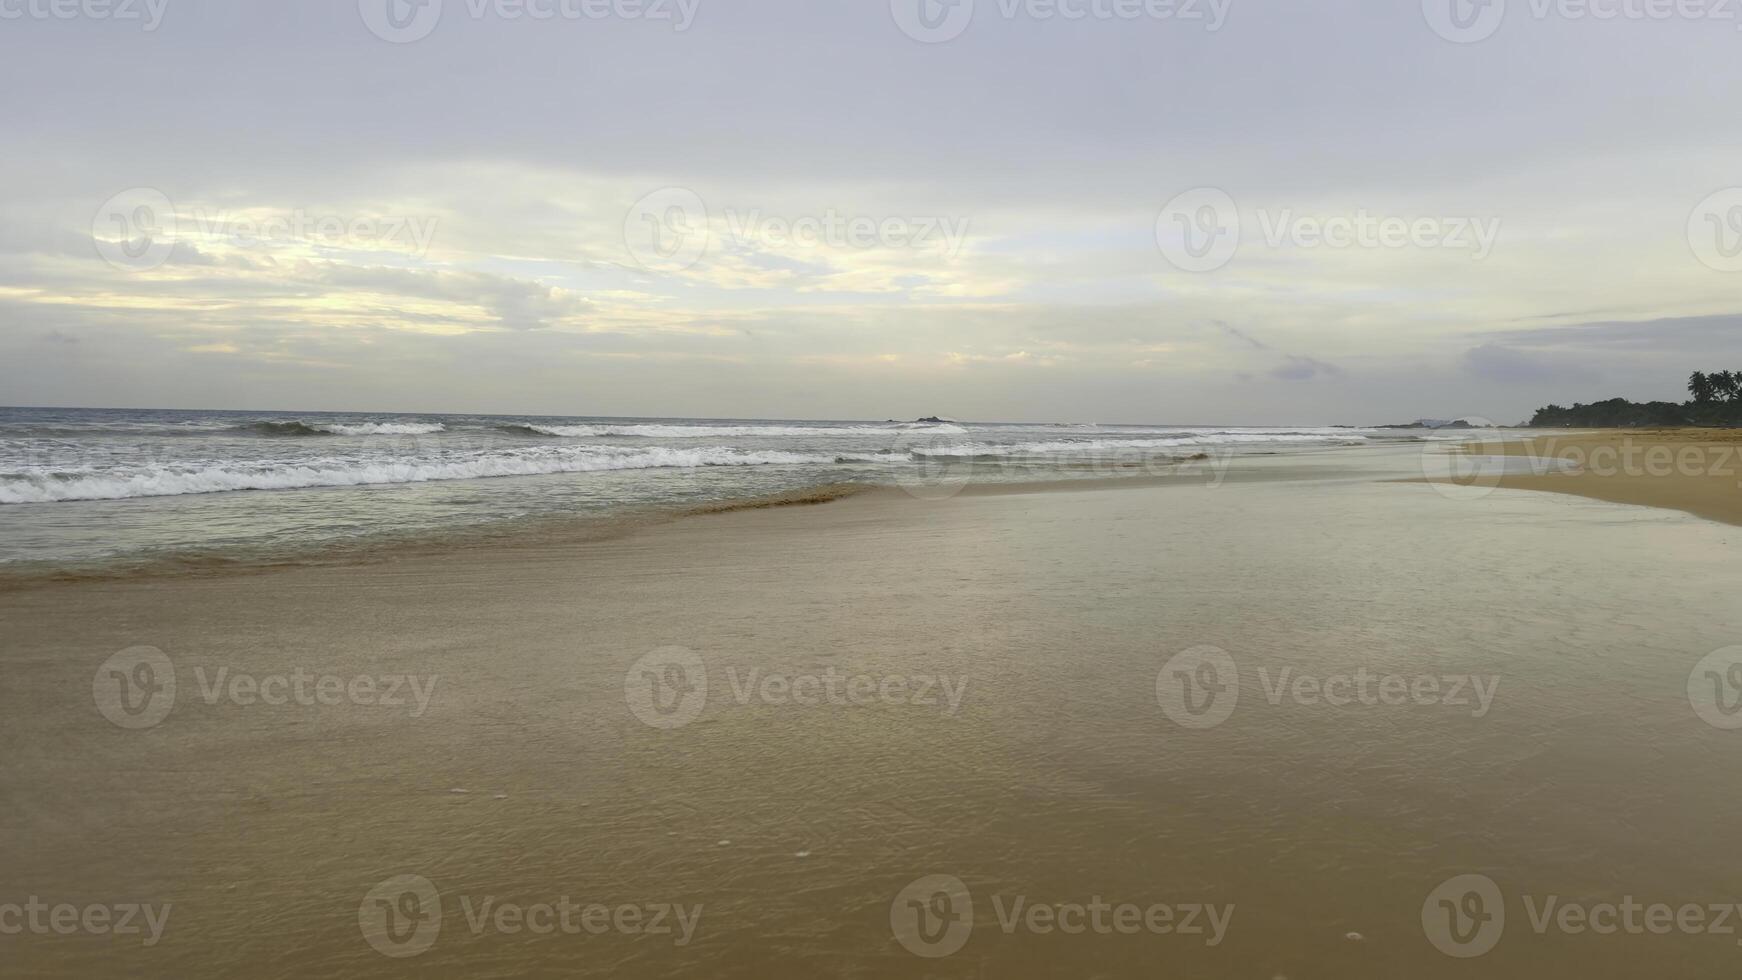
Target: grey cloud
1300, 368
1239, 334
518, 304
1508, 365
1722, 331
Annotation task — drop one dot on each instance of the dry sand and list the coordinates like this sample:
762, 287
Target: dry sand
1694, 470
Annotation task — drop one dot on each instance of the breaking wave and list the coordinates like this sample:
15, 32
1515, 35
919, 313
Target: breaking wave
296, 428
656, 430
166, 481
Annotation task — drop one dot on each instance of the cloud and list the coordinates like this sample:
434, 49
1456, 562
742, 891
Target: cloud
517, 304
1300, 368
1722, 331
1239, 334
1508, 365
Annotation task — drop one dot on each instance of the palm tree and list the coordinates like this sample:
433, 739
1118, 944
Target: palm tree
1725, 385
1700, 387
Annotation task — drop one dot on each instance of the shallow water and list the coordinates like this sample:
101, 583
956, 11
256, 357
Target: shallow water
82, 487
1062, 775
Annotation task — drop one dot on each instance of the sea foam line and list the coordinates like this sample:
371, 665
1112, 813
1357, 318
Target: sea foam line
166, 481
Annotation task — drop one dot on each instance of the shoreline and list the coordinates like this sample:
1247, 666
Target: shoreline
1693, 470
1626, 466
582, 528
573, 528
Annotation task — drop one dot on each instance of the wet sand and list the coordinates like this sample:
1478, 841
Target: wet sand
995, 717
1694, 470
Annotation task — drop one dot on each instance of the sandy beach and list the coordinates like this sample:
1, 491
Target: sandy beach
1033, 490
1694, 470
981, 690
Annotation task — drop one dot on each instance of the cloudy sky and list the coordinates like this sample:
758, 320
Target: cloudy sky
1239, 211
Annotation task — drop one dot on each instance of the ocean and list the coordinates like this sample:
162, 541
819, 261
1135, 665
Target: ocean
97, 486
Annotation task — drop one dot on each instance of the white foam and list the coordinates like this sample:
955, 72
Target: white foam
40, 486
1093, 446
651, 430
382, 428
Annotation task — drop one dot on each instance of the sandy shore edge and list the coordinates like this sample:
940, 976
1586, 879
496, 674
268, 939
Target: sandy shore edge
1697, 471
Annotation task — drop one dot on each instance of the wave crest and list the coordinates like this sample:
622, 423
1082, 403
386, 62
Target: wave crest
300, 428
168, 481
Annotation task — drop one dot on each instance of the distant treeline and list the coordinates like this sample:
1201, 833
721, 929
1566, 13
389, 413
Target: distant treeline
1717, 400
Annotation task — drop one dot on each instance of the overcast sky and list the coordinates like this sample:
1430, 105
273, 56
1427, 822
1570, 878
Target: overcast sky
1322, 211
